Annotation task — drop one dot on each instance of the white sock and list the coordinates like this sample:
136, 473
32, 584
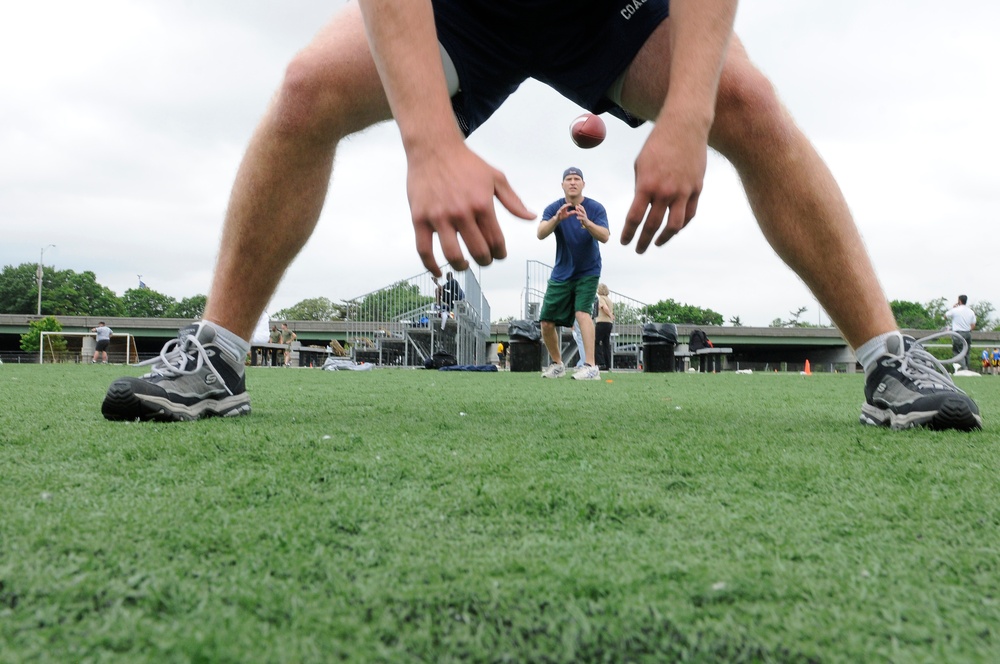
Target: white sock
874, 348
232, 343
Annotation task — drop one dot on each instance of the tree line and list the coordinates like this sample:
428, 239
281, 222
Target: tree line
912, 315
68, 293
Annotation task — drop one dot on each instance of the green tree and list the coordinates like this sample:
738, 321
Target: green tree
935, 310
191, 308
147, 303
19, 288
930, 316
911, 315
64, 292
315, 308
31, 341
388, 304
669, 311
795, 319
78, 294
735, 321
984, 312
626, 314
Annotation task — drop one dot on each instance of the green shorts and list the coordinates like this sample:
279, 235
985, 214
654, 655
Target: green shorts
564, 298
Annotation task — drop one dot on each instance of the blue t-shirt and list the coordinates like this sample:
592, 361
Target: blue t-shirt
578, 254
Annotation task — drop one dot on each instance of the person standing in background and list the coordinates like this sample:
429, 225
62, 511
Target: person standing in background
104, 334
272, 353
963, 322
287, 337
579, 225
603, 324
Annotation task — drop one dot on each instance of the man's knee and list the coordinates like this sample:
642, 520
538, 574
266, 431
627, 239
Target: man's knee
307, 101
325, 97
749, 115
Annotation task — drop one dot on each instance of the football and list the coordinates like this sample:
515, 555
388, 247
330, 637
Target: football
588, 130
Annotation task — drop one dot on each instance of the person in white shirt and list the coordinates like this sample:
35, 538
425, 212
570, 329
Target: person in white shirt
104, 334
963, 322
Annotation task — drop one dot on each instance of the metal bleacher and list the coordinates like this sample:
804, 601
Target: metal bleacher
401, 324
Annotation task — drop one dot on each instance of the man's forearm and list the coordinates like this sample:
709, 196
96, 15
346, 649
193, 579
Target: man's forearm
700, 31
598, 232
403, 42
546, 226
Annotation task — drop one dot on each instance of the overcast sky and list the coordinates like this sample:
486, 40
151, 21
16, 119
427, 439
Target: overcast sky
122, 125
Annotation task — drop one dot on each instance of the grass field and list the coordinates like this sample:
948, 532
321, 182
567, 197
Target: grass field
417, 516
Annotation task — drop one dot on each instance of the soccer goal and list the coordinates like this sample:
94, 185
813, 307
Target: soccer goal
74, 347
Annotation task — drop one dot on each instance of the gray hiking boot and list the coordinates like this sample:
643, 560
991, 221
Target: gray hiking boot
909, 387
192, 378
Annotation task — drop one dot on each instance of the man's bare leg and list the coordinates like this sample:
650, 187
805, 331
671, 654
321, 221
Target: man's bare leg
797, 203
587, 332
551, 340
803, 215
331, 89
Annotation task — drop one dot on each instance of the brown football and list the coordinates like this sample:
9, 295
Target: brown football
588, 130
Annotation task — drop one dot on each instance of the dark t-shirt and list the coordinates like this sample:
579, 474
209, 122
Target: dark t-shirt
451, 292
578, 254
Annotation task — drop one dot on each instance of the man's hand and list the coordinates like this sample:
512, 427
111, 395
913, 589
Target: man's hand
451, 191
598, 232
669, 176
450, 188
670, 169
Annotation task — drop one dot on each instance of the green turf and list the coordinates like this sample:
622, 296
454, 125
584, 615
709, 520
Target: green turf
417, 516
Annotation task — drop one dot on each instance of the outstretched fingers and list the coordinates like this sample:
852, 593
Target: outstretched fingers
668, 182
634, 220
423, 233
424, 230
471, 221
647, 214
680, 216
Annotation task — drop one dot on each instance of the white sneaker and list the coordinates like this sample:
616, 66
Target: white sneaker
587, 372
554, 370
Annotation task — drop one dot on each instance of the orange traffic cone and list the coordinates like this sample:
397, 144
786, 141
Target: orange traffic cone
808, 370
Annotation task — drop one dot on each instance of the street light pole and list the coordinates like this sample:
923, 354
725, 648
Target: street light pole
41, 256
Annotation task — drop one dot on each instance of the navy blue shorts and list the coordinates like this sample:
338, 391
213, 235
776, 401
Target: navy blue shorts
579, 49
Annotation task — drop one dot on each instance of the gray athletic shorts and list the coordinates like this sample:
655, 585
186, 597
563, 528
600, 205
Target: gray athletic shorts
580, 49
